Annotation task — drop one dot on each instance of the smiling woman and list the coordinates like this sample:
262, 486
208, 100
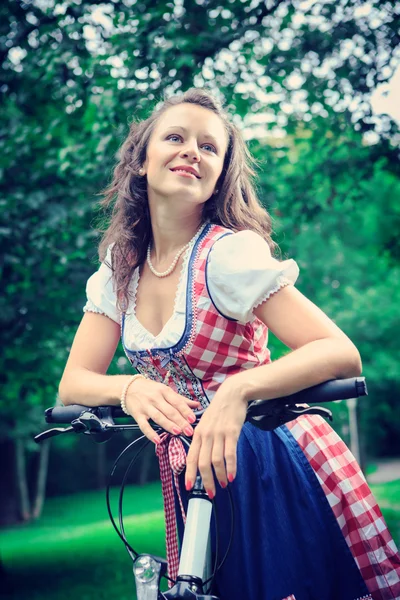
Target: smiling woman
189, 282
182, 165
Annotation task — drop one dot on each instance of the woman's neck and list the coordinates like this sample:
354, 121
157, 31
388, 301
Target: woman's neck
171, 232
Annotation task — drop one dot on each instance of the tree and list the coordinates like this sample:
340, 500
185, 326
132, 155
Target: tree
74, 73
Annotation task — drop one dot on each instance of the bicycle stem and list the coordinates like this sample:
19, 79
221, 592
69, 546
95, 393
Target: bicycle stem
195, 539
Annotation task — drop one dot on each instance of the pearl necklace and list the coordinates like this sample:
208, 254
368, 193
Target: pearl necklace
177, 255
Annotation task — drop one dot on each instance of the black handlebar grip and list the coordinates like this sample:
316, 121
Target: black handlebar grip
64, 414
336, 389
67, 414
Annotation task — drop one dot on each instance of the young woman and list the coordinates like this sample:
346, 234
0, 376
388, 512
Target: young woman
189, 281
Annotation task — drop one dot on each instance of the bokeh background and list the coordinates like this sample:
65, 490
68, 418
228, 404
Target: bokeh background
315, 88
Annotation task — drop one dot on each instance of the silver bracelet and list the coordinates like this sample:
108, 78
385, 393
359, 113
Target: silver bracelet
125, 391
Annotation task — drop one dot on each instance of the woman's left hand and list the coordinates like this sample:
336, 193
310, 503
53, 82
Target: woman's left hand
215, 439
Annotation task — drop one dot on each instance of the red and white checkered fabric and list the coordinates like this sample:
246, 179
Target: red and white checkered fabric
219, 346
172, 459
353, 504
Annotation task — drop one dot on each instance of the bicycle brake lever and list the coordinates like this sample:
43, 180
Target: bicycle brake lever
312, 410
45, 435
277, 417
86, 423
101, 428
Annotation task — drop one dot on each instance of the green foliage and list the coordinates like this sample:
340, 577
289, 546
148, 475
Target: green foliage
74, 74
337, 202
77, 529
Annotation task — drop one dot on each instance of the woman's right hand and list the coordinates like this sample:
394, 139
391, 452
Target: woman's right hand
147, 399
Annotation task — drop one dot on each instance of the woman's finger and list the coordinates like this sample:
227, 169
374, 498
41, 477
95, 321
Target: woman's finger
147, 429
193, 403
204, 462
192, 463
218, 460
182, 405
230, 456
180, 424
176, 426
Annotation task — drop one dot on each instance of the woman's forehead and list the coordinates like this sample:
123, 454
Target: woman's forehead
193, 118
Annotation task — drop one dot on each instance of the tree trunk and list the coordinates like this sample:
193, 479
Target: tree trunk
41, 479
20, 463
9, 514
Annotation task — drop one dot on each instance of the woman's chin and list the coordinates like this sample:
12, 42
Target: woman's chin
177, 193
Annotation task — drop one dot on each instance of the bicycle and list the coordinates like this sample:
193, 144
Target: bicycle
195, 579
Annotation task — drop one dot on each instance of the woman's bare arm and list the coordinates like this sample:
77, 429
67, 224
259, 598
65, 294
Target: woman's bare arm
320, 350
84, 380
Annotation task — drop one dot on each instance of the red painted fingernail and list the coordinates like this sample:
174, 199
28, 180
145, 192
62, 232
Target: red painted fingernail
157, 440
222, 484
176, 430
230, 477
188, 430
188, 486
191, 418
210, 494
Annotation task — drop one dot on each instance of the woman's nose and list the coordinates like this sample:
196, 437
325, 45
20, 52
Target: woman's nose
191, 151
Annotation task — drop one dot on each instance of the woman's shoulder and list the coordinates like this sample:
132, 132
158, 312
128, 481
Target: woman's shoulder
240, 250
242, 273
100, 290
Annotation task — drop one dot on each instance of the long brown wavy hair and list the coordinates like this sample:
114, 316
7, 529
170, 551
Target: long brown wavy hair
235, 206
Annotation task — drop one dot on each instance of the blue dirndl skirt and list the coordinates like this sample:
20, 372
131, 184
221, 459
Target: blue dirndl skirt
286, 542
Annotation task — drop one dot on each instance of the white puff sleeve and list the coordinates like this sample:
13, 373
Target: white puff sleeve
241, 274
101, 297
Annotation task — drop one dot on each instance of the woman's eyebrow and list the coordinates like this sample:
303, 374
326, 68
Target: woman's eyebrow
206, 135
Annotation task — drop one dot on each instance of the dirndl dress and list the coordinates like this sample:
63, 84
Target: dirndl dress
307, 526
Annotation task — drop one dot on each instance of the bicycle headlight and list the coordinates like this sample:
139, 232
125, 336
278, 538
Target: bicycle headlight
147, 576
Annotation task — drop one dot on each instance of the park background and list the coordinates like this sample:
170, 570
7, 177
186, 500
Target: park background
302, 80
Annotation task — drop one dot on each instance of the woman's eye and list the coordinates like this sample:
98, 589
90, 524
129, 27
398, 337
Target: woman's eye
174, 135
210, 148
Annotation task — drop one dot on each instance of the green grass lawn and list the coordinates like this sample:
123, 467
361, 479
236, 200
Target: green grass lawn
388, 497
72, 550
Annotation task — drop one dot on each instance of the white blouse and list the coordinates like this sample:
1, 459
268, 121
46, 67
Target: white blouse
241, 274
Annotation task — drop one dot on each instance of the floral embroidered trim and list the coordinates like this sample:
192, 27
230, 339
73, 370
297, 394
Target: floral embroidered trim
192, 334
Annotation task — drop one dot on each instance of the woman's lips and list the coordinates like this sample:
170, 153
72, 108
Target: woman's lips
185, 174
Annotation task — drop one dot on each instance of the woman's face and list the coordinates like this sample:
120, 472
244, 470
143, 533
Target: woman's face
185, 154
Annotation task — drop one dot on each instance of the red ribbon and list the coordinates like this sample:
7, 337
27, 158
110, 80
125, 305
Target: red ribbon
172, 459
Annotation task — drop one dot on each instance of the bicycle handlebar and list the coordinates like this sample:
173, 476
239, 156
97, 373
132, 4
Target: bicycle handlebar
66, 414
336, 389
